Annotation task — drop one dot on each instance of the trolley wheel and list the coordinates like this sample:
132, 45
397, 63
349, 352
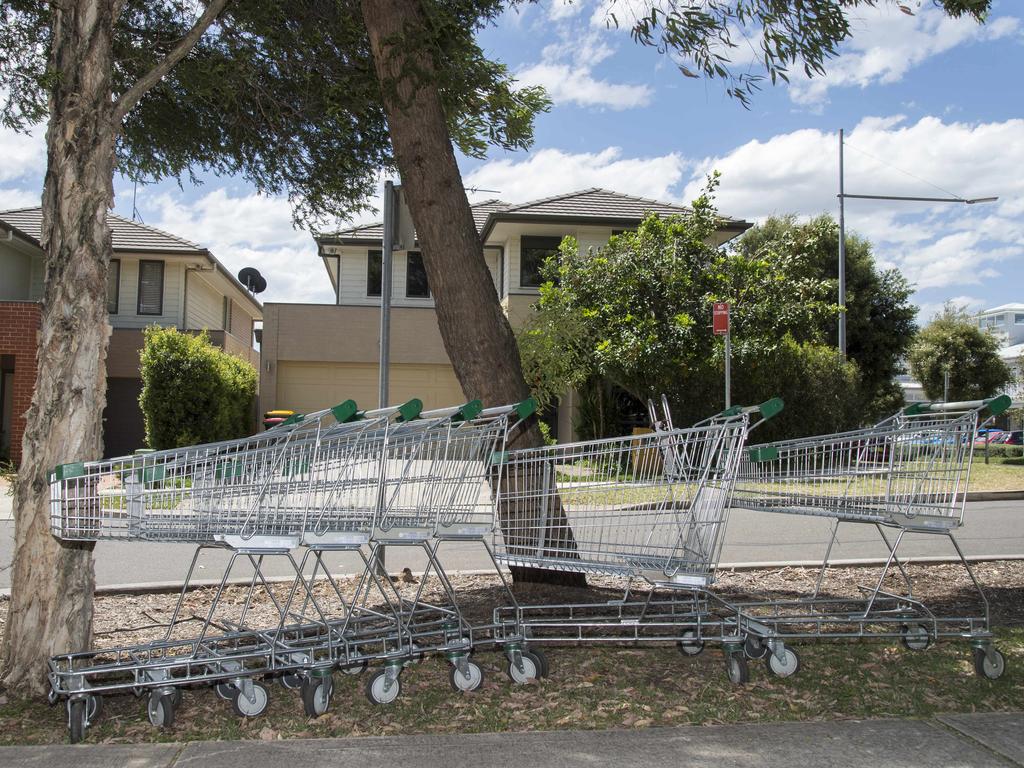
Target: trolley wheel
754, 647
736, 668
292, 682
784, 667
690, 645
176, 697
376, 692
94, 708
531, 669
985, 668
316, 695
543, 659
77, 716
915, 637
245, 708
355, 670
160, 709
470, 681
225, 691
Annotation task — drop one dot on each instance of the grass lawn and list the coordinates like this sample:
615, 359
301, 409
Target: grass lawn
998, 475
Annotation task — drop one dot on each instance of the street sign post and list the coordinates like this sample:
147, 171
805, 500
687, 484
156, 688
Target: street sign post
720, 327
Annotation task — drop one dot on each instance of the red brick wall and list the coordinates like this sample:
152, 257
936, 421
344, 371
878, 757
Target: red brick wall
19, 326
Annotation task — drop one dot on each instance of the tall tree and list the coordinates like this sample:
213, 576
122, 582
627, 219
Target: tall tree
52, 582
879, 314
952, 344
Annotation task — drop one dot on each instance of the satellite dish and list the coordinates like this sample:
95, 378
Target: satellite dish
251, 278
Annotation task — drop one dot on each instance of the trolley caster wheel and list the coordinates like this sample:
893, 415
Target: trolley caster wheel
380, 691
78, 720
690, 645
176, 697
530, 672
754, 647
784, 667
225, 691
355, 670
915, 637
543, 659
244, 707
736, 668
292, 682
316, 695
993, 669
160, 709
470, 681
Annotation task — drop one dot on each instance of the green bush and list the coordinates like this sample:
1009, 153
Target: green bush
1000, 451
193, 392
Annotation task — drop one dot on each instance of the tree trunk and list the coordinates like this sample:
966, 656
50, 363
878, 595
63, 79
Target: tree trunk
52, 582
476, 333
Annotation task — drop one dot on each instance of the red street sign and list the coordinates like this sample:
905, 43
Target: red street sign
720, 318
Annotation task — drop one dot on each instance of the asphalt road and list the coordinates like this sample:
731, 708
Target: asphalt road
991, 528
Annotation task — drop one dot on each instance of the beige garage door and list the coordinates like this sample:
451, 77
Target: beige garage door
306, 387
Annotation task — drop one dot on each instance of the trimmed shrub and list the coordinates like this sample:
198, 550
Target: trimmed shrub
193, 392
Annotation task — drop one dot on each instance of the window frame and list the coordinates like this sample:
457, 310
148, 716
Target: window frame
370, 253
117, 287
408, 268
226, 312
533, 243
138, 294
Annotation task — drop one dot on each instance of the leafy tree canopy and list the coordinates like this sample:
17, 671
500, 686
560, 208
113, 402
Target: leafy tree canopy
880, 318
952, 342
284, 94
637, 313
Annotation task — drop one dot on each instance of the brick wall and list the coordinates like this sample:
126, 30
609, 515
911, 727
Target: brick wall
19, 327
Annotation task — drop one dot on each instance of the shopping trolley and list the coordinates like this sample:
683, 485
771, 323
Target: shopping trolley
908, 475
650, 508
250, 496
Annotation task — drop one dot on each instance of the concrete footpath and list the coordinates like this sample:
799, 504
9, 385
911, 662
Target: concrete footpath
951, 740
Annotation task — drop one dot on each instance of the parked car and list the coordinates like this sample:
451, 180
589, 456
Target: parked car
1009, 438
985, 436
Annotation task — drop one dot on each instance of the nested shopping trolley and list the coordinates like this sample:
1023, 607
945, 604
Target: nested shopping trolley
648, 509
906, 476
320, 480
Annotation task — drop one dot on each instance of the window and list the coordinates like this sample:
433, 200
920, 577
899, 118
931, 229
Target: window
1018, 319
416, 286
113, 285
151, 288
533, 252
226, 315
374, 272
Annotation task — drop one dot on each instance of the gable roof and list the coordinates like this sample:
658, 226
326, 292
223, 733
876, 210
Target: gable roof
374, 233
127, 235
593, 205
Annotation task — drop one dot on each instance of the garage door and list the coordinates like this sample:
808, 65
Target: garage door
306, 387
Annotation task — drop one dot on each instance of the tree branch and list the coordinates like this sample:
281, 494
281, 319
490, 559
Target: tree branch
130, 98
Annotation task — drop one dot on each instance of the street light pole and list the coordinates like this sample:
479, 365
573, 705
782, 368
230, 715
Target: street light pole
843, 195
842, 253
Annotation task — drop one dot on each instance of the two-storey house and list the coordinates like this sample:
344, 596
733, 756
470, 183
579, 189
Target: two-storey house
317, 355
154, 278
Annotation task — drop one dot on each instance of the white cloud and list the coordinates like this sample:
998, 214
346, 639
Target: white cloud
552, 171
18, 198
886, 44
937, 246
560, 10
566, 72
24, 154
248, 230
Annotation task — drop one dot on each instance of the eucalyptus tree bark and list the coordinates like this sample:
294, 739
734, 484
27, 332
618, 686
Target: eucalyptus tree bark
52, 581
476, 332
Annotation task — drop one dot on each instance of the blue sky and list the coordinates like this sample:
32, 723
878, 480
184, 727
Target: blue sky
936, 98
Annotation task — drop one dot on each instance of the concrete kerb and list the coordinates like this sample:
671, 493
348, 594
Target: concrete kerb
889, 743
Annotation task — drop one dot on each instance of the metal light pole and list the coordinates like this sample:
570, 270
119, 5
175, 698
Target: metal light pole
842, 231
384, 360
842, 253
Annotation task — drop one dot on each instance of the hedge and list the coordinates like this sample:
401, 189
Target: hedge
193, 392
